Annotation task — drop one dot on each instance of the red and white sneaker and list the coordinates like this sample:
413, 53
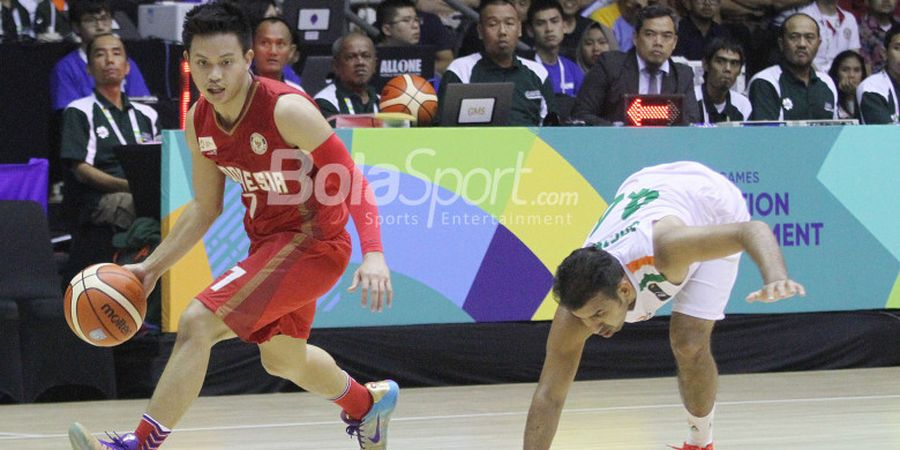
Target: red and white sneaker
687, 446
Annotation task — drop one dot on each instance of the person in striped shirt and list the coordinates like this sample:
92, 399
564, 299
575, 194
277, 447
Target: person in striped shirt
673, 232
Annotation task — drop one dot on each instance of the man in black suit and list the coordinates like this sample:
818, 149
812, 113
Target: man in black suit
645, 69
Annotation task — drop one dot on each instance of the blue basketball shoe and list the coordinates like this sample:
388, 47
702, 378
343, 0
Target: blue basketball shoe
82, 439
371, 431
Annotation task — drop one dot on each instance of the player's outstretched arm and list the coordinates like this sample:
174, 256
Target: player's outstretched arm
198, 215
564, 347
677, 246
301, 124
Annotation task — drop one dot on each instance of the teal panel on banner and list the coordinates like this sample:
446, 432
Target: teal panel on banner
176, 165
857, 173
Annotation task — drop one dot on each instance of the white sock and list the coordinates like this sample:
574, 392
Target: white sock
701, 429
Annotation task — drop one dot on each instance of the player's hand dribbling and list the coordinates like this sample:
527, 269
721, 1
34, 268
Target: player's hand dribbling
777, 290
374, 277
148, 279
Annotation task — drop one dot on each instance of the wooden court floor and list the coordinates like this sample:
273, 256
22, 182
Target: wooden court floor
844, 409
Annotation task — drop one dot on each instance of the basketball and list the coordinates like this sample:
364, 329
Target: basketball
105, 305
410, 94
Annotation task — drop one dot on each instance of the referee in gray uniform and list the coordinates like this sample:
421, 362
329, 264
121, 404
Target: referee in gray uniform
499, 28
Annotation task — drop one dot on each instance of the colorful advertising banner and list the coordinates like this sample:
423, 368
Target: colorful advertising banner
475, 221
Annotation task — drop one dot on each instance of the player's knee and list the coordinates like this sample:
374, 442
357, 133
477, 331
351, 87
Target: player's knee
199, 324
689, 345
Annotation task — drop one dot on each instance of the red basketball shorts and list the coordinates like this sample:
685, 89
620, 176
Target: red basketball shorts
274, 290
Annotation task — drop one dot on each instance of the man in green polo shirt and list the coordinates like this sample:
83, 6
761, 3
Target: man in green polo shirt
92, 127
794, 89
354, 65
878, 94
500, 28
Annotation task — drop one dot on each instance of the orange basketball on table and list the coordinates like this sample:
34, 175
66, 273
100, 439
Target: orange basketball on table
105, 305
410, 94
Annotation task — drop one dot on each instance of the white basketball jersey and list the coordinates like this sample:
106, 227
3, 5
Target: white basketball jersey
688, 190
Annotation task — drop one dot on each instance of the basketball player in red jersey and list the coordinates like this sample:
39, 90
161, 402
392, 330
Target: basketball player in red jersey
299, 186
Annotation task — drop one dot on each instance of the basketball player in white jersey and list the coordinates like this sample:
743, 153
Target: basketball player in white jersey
674, 232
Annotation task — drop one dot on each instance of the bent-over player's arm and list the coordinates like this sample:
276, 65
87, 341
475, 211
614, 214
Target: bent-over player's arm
677, 246
564, 347
199, 214
300, 123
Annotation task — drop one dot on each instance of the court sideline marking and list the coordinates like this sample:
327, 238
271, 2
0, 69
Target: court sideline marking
17, 436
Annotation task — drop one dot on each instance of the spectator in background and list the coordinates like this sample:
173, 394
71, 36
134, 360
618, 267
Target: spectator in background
794, 89
545, 25
15, 22
472, 42
399, 23
96, 191
878, 94
721, 67
645, 69
750, 22
51, 21
574, 26
847, 72
499, 26
699, 29
70, 80
619, 16
257, 10
596, 40
838, 30
402, 25
873, 28
354, 66
433, 32
273, 49
623, 26
449, 16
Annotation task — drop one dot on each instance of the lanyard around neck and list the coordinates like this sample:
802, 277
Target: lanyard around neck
112, 123
563, 85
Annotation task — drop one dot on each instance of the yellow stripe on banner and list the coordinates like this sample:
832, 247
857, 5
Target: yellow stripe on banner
547, 308
552, 209
184, 280
894, 298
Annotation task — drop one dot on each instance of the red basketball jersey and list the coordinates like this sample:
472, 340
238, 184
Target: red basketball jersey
279, 189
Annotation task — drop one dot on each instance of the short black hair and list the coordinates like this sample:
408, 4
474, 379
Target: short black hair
221, 17
254, 10
90, 46
585, 273
722, 43
293, 36
839, 59
889, 36
81, 8
797, 14
486, 3
543, 5
387, 10
654, 11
